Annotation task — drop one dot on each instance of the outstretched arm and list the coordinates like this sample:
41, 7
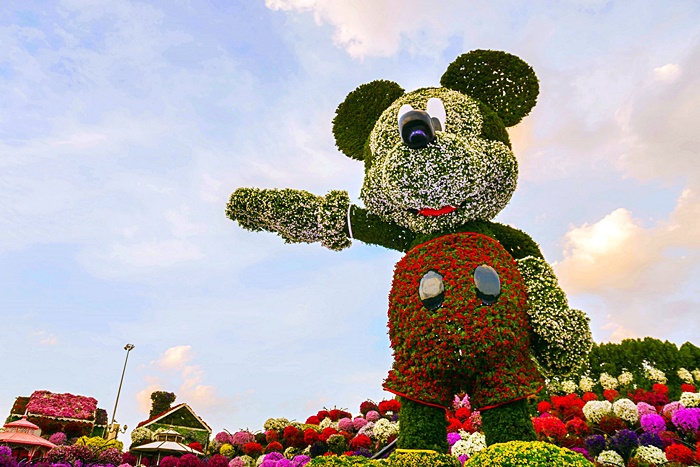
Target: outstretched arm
562, 334
369, 228
295, 215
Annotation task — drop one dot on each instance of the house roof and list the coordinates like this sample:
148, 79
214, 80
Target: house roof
172, 410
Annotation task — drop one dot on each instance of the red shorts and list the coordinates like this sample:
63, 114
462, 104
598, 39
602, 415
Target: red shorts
464, 346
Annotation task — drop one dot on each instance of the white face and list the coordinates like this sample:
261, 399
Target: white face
459, 177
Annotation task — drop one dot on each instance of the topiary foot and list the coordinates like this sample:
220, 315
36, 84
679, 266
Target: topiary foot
507, 422
423, 427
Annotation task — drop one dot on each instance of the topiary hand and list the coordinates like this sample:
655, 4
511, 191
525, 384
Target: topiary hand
295, 215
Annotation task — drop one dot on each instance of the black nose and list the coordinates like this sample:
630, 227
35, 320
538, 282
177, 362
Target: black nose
416, 128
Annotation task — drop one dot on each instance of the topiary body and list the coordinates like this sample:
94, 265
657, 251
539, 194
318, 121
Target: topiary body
433, 183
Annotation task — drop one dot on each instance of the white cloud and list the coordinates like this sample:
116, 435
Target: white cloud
44, 338
176, 358
667, 73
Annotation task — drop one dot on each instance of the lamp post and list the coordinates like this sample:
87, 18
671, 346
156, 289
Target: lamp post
114, 429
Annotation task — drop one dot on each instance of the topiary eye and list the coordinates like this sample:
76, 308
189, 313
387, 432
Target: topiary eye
431, 290
488, 285
436, 110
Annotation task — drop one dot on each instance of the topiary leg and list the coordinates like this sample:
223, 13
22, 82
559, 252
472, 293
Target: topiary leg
507, 422
422, 427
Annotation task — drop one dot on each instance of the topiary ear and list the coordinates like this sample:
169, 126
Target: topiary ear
500, 80
357, 114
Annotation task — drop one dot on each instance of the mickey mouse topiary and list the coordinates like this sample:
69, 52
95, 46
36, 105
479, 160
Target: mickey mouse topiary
474, 307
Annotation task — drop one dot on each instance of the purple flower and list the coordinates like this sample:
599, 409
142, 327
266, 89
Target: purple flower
242, 437
671, 407
583, 452
687, 420
58, 438
643, 409
624, 442
653, 423
301, 461
223, 438
284, 463
651, 439
268, 463
595, 444
463, 458
274, 456
5, 451
346, 424
359, 422
452, 438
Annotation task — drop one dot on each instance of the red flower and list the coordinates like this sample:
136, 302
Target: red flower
549, 428
252, 449
322, 414
462, 413
544, 406
334, 415
660, 388
577, 426
453, 425
327, 433
589, 396
389, 406
687, 388
310, 436
313, 420
679, 453
271, 436
610, 394
368, 405
611, 425
360, 441
290, 432
196, 445
274, 447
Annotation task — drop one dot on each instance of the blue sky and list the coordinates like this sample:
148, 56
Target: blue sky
125, 126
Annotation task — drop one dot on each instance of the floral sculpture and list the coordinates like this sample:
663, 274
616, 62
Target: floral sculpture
474, 307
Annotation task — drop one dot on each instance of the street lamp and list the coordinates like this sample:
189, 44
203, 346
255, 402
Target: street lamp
114, 429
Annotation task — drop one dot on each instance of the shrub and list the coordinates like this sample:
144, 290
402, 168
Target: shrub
129, 458
168, 461
532, 454
59, 438
111, 456
190, 460
217, 460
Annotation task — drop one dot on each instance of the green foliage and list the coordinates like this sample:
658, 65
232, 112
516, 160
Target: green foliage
422, 427
507, 422
500, 80
493, 127
177, 423
516, 242
632, 355
357, 114
371, 229
295, 215
531, 454
422, 459
337, 444
162, 401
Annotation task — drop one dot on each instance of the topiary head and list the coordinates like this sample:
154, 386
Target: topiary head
436, 158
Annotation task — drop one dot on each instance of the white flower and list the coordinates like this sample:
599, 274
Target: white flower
610, 458
626, 410
696, 374
685, 376
569, 386
595, 410
655, 375
383, 429
625, 378
607, 381
470, 445
651, 454
586, 384
690, 399
325, 423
